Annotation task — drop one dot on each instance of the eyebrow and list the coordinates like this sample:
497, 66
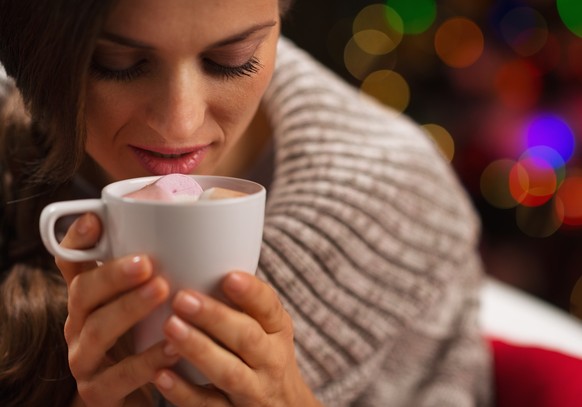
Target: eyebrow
133, 43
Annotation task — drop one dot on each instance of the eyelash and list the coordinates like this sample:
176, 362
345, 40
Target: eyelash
249, 68
100, 72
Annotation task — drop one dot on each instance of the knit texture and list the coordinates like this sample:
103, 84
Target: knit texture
370, 240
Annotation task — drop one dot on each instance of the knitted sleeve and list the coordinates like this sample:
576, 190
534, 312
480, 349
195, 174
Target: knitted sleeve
370, 241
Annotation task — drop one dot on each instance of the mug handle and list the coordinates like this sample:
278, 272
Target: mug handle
53, 212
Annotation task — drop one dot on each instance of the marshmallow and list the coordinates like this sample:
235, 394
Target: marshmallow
169, 188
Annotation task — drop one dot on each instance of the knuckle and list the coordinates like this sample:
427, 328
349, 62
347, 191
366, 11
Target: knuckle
61, 263
274, 313
75, 296
288, 328
89, 393
92, 334
68, 330
73, 360
232, 378
129, 373
76, 364
250, 337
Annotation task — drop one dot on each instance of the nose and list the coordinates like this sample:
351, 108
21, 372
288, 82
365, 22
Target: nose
177, 108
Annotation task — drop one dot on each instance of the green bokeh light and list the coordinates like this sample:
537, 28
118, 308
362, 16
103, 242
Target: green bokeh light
417, 15
571, 14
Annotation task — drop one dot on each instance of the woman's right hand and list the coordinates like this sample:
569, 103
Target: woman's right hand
104, 303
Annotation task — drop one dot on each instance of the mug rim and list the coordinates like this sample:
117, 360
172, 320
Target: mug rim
257, 191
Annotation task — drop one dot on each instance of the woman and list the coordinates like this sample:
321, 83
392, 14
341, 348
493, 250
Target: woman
369, 241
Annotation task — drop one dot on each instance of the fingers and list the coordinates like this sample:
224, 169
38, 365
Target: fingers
223, 368
92, 289
103, 327
246, 351
121, 379
230, 346
182, 394
100, 285
258, 300
83, 234
233, 329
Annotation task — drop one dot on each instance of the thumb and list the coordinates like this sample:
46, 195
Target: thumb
84, 233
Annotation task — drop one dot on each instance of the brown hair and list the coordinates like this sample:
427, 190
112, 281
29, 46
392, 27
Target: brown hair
45, 47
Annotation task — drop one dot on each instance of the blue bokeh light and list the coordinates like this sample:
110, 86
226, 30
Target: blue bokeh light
553, 132
547, 154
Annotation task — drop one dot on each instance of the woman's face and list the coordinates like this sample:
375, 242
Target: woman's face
175, 83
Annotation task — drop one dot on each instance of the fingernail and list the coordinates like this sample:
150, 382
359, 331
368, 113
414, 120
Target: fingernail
150, 290
187, 303
177, 328
165, 381
236, 282
82, 225
133, 266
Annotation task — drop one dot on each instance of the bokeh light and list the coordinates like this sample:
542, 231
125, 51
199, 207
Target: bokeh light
374, 42
518, 84
499, 86
417, 16
571, 14
494, 184
569, 201
377, 29
527, 152
551, 131
358, 62
442, 138
525, 30
548, 156
389, 87
532, 181
539, 222
459, 42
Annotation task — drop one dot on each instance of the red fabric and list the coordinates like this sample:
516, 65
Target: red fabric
531, 376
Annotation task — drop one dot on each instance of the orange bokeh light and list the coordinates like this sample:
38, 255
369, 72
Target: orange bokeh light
569, 201
459, 42
518, 84
532, 182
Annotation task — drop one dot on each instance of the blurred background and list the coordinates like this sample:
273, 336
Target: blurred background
498, 85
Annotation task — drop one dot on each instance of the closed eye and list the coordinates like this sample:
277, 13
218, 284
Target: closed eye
249, 68
101, 72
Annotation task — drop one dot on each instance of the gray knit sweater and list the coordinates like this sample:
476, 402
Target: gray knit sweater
371, 243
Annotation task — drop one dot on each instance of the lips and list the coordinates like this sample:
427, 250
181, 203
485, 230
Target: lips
162, 161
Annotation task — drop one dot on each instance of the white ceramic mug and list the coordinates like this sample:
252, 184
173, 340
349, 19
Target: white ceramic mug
194, 244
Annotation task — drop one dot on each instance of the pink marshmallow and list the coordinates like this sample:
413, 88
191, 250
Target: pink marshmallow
169, 188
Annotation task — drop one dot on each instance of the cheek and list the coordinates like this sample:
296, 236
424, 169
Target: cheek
241, 100
106, 110
97, 113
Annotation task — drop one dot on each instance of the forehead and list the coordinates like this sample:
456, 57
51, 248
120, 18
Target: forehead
181, 19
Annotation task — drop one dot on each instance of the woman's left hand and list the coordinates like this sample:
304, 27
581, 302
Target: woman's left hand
248, 354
